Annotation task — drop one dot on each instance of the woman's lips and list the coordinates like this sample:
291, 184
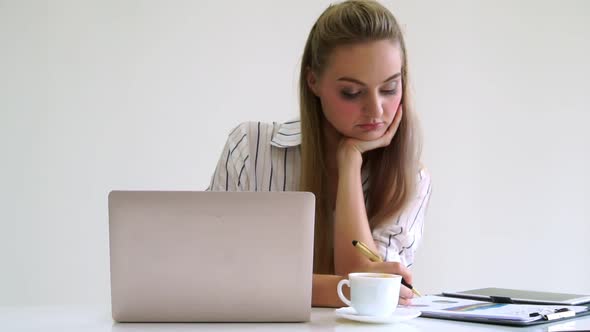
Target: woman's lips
371, 126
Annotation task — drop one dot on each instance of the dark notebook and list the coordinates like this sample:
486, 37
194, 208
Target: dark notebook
505, 295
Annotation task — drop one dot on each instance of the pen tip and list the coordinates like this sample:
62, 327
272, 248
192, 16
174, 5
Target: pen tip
354, 242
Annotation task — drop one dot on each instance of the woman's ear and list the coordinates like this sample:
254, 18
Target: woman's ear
312, 81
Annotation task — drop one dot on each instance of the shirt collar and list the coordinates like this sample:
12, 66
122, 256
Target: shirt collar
288, 135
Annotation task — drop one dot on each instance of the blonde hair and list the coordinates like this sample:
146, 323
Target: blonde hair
396, 166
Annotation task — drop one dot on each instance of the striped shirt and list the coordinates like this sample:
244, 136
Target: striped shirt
266, 157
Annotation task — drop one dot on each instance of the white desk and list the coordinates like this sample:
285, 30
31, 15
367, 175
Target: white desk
63, 319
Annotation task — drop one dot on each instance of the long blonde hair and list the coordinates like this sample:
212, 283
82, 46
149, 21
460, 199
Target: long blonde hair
396, 166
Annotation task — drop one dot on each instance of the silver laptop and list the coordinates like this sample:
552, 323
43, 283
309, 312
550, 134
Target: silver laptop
211, 256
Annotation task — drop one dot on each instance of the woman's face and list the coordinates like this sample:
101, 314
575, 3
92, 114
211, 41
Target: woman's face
361, 88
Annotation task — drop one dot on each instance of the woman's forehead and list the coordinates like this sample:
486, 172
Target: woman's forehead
371, 62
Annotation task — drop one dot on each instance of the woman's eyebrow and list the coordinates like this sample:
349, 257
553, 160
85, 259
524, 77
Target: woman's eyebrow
353, 80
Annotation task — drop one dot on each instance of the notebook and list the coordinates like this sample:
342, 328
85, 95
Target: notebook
442, 307
520, 296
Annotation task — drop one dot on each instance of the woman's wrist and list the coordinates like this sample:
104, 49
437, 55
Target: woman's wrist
349, 156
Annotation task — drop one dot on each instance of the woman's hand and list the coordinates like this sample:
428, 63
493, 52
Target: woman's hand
351, 147
405, 294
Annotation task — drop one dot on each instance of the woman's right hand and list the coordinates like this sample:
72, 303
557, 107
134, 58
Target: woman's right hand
405, 294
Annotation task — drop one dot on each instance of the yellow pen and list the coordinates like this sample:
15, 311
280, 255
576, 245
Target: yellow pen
363, 249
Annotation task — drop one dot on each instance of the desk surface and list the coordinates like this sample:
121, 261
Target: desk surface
70, 319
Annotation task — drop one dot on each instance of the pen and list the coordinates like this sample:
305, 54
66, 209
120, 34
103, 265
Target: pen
376, 258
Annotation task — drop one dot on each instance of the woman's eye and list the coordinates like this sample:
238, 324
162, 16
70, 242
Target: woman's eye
389, 92
350, 95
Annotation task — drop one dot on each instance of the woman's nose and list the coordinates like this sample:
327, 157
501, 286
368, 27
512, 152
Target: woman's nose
373, 106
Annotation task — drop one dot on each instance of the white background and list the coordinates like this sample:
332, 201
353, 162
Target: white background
101, 95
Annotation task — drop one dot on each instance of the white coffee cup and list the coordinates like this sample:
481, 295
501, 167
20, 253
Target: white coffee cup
371, 294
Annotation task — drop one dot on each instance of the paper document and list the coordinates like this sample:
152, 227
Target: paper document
463, 309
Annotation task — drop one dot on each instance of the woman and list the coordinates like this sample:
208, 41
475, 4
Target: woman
355, 147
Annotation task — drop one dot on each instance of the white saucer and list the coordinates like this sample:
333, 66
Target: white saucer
399, 315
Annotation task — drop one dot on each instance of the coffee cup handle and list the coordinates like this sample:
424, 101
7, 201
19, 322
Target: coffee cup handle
340, 294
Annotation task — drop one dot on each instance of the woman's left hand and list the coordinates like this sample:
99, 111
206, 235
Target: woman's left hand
350, 145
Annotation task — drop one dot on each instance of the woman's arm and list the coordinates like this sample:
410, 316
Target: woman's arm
324, 292
350, 216
233, 157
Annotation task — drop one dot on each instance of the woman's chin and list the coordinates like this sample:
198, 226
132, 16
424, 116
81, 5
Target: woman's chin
368, 135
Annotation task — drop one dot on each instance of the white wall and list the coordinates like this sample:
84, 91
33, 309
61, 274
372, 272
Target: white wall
97, 95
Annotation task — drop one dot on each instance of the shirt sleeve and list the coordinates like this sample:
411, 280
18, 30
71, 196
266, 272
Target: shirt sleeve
398, 240
231, 172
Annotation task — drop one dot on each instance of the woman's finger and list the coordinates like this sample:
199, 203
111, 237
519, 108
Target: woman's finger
395, 123
403, 301
405, 292
399, 269
390, 133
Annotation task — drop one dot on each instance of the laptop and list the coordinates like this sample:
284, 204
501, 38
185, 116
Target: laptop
211, 256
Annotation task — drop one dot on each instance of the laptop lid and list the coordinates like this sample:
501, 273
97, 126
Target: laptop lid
211, 256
